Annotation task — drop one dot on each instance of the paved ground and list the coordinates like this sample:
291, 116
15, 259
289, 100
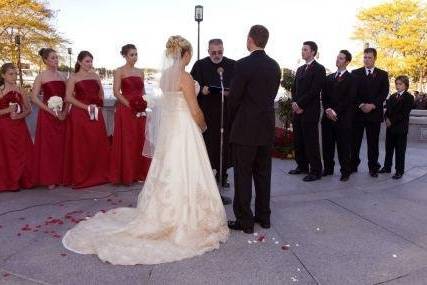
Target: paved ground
366, 231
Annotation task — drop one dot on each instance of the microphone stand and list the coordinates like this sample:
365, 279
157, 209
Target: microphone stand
221, 146
225, 200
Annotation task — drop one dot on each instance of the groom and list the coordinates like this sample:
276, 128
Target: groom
251, 107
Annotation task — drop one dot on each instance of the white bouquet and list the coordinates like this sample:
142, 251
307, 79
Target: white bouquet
16, 107
55, 103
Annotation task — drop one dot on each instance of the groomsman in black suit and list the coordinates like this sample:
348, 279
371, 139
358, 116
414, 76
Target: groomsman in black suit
251, 105
372, 88
398, 109
309, 81
337, 99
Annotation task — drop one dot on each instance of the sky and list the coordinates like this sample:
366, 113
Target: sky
103, 26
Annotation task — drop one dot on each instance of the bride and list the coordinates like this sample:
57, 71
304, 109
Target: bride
179, 213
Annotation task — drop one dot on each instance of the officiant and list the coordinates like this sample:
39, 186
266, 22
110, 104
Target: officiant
205, 72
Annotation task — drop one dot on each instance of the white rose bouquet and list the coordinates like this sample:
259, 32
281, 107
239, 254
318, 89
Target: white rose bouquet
55, 103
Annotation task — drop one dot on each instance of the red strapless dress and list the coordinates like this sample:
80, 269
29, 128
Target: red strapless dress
16, 148
49, 143
127, 163
87, 150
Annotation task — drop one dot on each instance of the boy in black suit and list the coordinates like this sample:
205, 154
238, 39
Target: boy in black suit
306, 89
398, 108
337, 99
372, 87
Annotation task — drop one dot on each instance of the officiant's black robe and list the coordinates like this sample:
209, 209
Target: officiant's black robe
205, 72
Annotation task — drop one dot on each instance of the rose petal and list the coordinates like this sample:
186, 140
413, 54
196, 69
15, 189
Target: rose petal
285, 247
63, 254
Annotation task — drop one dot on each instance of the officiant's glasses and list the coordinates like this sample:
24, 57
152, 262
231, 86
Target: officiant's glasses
214, 52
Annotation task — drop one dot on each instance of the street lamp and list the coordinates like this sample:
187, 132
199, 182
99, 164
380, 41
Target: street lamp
198, 17
70, 52
18, 45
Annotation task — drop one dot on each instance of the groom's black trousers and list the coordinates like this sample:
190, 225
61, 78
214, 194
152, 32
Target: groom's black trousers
251, 162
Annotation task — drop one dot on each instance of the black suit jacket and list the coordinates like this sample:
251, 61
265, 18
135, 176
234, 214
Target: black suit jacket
306, 91
338, 94
398, 111
371, 89
251, 100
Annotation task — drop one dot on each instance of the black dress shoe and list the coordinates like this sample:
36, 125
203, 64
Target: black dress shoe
397, 175
263, 224
225, 200
311, 177
373, 174
384, 170
327, 172
344, 177
297, 171
235, 225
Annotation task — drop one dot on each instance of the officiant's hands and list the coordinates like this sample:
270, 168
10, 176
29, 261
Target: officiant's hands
205, 90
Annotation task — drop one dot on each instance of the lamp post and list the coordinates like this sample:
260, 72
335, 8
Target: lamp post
70, 52
198, 17
18, 45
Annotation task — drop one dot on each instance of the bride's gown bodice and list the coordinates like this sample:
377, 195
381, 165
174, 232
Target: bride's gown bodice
179, 212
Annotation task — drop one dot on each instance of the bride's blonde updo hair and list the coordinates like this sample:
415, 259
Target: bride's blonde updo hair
178, 45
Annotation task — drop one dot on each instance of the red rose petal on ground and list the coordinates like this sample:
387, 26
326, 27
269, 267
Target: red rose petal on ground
6, 274
119, 201
261, 238
1, 226
108, 200
63, 254
285, 247
18, 234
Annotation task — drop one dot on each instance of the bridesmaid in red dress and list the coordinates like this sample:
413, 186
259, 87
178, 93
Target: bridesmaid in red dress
48, 167
16, 146
127, 163
87, 150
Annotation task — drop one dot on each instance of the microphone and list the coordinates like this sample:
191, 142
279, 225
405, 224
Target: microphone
220, 71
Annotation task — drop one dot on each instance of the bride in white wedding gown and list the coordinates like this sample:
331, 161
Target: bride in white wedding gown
179, 213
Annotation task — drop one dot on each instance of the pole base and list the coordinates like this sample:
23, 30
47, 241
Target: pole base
226, 200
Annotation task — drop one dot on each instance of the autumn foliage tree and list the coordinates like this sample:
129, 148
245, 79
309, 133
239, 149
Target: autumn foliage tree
31, 20
398, 29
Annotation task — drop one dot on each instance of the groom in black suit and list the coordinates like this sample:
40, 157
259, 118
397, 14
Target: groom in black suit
251, 105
